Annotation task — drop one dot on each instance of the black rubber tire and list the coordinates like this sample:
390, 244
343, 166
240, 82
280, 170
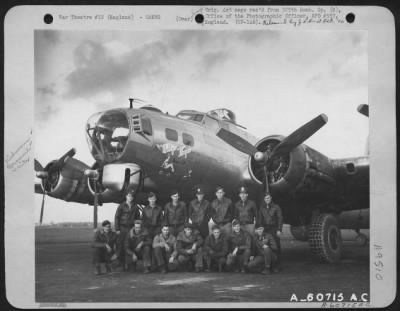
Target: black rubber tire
325, 238
361, 239
300, 233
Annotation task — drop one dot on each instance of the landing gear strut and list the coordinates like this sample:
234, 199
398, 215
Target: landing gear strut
325, 238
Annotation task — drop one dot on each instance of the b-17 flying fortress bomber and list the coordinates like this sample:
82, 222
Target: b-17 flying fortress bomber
150, 151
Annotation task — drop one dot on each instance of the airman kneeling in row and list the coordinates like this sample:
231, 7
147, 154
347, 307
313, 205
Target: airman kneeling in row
189, 246
265, 252
138, 246
104, 244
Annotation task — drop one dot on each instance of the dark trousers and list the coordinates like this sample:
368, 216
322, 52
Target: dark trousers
203, 229
213, 259
144, 253
272, 230
175, 229
120, 244
161, 258
196, 258
101, 255
153, 230
267, 260
241, 258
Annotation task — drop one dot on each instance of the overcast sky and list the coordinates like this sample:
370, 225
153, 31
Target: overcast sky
274, 81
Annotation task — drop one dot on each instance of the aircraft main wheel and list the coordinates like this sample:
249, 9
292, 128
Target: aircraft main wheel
361, 239
299, 233
325, 238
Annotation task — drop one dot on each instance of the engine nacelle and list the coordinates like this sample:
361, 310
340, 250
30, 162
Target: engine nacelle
303, 170
69, 183
114, 180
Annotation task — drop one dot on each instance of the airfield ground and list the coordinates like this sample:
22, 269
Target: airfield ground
64, 273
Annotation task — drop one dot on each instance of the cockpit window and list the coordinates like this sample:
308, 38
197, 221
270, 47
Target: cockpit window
107, 134
198, 117
146, 125
191, 116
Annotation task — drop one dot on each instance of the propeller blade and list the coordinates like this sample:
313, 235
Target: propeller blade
95, 211
60, 161
95, 203
126, 180
237, 142
299, 136
42, 208
265, 180
363, 109
38, 166
38, 188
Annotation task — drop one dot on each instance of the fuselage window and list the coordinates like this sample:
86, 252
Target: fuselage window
171, 134
198, 117
187, 139
146, 126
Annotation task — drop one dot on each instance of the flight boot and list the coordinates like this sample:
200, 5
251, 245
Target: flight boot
98, 270
108, 268
163, 270
266, 271
146, 270
131, 267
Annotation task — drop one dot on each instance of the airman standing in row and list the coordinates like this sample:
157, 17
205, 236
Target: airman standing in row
270, 216
125, 216
246, 211
222, 212
175, 213
199, 213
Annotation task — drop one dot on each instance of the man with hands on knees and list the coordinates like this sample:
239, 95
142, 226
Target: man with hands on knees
189, 246
265, 252
164, 250
104, 244
138, 246
239, 247
215, 249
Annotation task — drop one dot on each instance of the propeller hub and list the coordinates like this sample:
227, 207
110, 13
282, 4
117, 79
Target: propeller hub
259, 156
92, 174
42, 174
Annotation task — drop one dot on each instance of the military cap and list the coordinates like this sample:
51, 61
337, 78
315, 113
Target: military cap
188, 225
267, 195
131, 191
105, 223
235, 222
215, 227
199, 190
258, 225
173, 192
137, 222
151, 194
219, 188
243, 190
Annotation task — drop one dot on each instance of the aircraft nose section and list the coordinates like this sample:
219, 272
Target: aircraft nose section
107, 134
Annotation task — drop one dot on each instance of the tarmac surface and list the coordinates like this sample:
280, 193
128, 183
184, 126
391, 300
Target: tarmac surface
64, 273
